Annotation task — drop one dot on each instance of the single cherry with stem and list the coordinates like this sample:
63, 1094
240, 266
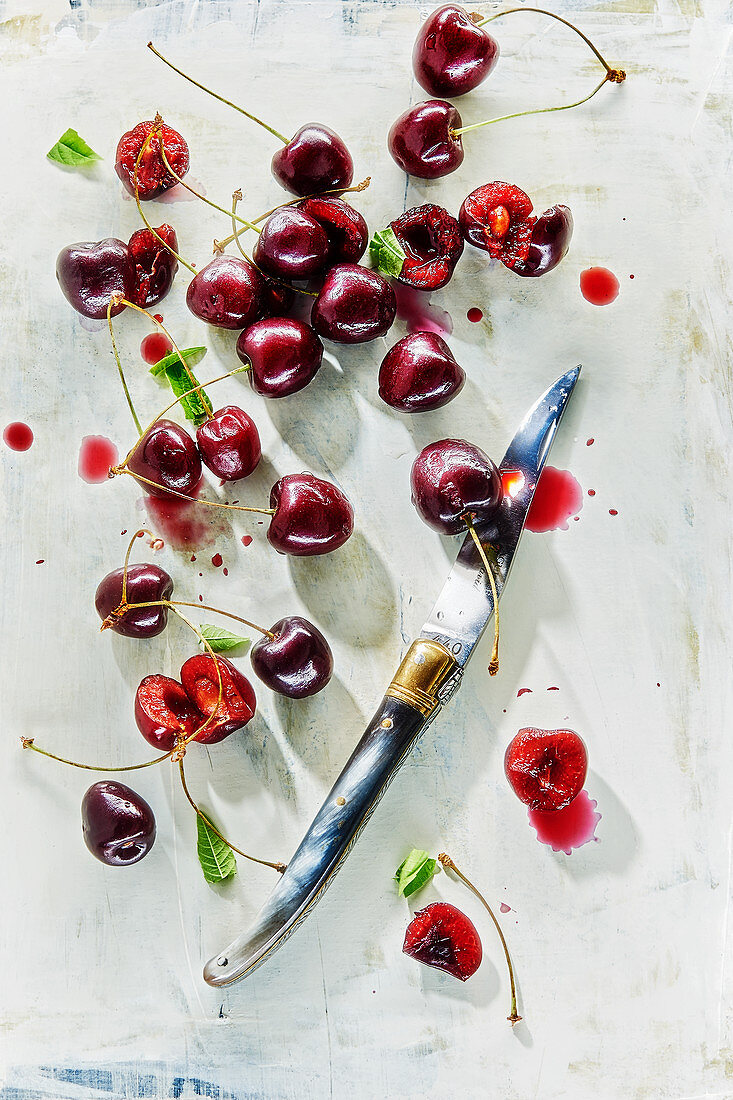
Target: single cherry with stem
291, 245
442, 936
354, 305
283, 355
452, 53
140, 583
138, 162
549, 243
420, 373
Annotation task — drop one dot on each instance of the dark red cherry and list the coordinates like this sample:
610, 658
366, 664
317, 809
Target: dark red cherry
167, 455
155, 266
229, 443
314, 160
297, 662
237, 704
284, 354
153, 178
311, 516
164, 713
442, 936
496, 217
546, 769
345, 228
420, 373
292, 245
118, 824
451, 54
432, 241
550, 240
421, 140
90, 272
145, 582
227, 293
452, 479
354, 305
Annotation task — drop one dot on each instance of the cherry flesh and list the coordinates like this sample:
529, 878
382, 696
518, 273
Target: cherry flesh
550, 240
496, 217
229, 443
237, 705
354, 305
451, 55
164, 713
432, 241
292, 245
145, 583
451, 480
345, 228
297, 662
227, 293
167, 455
546, 769
311, 516
285, 355
443, 937
314, 160
155, 266
421, 140
90, 272
420, 373
118, 824
153, 178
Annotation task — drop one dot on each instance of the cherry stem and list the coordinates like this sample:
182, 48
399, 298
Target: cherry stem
245, 224
220, 696
118, 361
125, 607
122, 469
448, 863
494, 662
534, 111
138, 535
190, 79
236, 197
156, 130
29, 743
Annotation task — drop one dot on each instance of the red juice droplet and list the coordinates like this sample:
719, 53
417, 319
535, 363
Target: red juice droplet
504, 908
591, 492
553, 689
524, 691
612, 512
599, 286
158, 317
475, 315
154, 347
225, 571
565, 830
414, 308
18, 436
96, 455
186, 525
590, 442
42, 560
558, 496
246, 540
217, 560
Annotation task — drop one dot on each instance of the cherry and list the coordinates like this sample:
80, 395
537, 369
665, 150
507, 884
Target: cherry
118, 824
227, 293
166, 455
345, 228
153, 178
496, 218
311, 516
229, 443
453, 479
296, 662
451, 55
91, 272
546, 769
237, 704
420, 373
354, 305
164, 713
443, 937
314, 160
145, 582
285, 355
422, 141
432, 241
291, 245
550, 240
155, 266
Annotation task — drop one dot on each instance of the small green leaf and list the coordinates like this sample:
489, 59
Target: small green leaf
415, 872
193, 357
215, 856
221, 641
386, 252
72, 151
170, 366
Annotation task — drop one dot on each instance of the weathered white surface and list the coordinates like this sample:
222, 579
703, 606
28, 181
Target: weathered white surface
623, 949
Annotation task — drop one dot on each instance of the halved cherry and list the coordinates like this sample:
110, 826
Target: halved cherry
496, 217
346, 231
164, 712
155, 265
432, 241
546, 769
237, 704
443, 937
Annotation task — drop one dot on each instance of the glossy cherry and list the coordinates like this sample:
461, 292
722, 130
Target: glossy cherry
153, 178
354, 305
345, 228
496, 217
227, 293
145, 583
548, 244
297, 662
452, 479
451, 55
420, 373
291, 245
118, 825
167, 455
311, 516
155, 266
237, 705
443, 937
229, 443
432, 242
285, 355
314, 160
164, 713
91, 272
421, 140
546, 769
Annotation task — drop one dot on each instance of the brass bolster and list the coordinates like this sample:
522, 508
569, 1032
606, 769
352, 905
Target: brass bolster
425, 668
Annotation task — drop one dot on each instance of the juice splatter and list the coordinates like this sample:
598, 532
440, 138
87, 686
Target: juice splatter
18, 436
568, 829
96, 455
599, 286
557, 498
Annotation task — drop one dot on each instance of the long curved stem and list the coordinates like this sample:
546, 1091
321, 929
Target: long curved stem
209, 202
494, 662
534, 111
236, 197
29, 743
125, 607
138, 535
122, 469
156, 129
118, 361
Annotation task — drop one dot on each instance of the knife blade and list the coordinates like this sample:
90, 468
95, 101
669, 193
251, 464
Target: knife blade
428, 676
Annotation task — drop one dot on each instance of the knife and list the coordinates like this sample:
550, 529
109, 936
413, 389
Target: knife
428, 676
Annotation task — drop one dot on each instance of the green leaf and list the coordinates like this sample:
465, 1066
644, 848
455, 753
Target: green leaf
215, 856
170, 366
72, 151
415, 872
386, 252
193, 357
221, 641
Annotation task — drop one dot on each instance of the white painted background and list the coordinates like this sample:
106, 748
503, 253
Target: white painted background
623, 949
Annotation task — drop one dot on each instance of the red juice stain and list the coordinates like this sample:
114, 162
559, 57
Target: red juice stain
591, 492
193, 557
524, 691
186, 525
565, 830
631, 276
217, 560
599, 286
158, 317
414, 308
246, 540
42, 560
225, 571
18, 436
553, 689
154, 347
504, 908
590, 442
612, 512
96, 455
558, 496
475, 315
